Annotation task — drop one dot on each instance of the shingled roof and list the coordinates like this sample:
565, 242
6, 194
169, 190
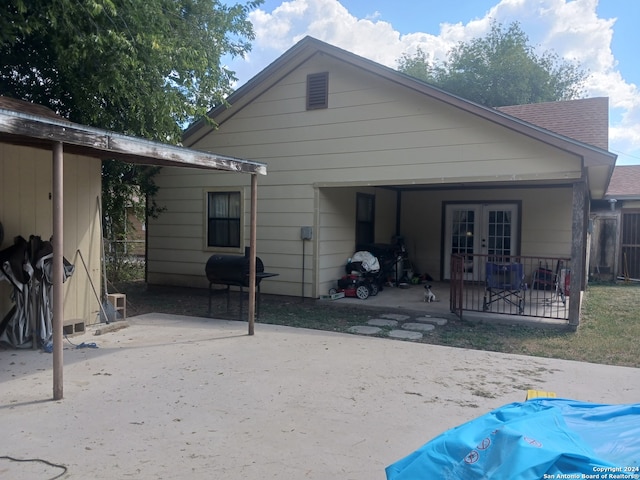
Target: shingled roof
16, 105
625, 182
585, 120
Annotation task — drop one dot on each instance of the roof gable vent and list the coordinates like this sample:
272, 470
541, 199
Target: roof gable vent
317, 91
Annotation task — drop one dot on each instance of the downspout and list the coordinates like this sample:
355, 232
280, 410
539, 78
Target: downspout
306, 233
398, 210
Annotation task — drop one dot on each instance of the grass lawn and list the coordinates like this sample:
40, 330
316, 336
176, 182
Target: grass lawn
608, 333
609, 330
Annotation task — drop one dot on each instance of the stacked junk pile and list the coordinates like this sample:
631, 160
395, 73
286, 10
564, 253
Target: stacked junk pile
369, 270
363, 277
27, 266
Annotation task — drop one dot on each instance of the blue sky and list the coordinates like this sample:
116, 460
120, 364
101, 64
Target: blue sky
603, 36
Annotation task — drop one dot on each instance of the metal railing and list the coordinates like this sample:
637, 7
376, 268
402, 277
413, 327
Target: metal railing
511, 285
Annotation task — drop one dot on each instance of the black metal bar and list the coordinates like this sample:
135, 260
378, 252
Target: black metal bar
543, 292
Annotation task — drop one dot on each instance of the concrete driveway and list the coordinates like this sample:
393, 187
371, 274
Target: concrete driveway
178, 397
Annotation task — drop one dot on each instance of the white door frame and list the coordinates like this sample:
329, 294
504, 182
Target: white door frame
480, 228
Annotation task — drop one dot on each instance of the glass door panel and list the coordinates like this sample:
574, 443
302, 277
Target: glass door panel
489, 229
461, 237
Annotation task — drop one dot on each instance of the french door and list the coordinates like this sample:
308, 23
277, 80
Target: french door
490, 229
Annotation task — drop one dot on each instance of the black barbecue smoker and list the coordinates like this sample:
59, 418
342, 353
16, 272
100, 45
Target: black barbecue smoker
234, 271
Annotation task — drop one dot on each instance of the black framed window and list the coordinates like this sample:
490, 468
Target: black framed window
223, 219
365, 219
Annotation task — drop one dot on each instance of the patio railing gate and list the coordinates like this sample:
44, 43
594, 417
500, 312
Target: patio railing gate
510, 285
457, 285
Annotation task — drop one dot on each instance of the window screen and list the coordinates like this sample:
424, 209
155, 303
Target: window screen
365, 220
223, 213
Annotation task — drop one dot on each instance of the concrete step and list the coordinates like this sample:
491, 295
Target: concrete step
382, 322
438, 321
418, 327
405, 334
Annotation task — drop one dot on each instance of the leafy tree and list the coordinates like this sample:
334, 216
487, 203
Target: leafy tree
139, 67
499, 69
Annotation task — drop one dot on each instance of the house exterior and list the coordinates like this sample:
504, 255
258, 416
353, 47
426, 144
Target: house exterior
615, 220
361, 154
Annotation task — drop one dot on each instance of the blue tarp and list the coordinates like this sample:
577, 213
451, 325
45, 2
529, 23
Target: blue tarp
544, 438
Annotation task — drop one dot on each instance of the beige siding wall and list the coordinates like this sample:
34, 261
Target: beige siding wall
398, 136
374, 133
26, 209
177, 251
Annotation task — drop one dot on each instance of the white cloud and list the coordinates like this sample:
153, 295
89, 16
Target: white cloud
325, 20
570, 28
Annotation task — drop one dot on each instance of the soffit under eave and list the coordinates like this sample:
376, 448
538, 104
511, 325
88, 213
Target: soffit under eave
598, 178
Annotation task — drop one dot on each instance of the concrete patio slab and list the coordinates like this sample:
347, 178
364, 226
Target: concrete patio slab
177, 397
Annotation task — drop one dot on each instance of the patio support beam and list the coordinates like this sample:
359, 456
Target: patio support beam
252, 253
57, 243
578, 251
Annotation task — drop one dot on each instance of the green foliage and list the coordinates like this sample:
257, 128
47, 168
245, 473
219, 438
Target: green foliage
417, 66
123, 193
499, 69
127, 269
138, 67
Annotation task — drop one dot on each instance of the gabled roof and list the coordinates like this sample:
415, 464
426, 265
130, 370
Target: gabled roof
309, 47
625, 183
598, 160
585, 120
28, 124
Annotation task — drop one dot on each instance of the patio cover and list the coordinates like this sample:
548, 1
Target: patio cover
27, 124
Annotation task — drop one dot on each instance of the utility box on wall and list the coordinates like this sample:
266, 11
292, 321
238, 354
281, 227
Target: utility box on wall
306, 233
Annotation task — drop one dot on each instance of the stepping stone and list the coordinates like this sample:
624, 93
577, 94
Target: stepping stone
395, 316
420, 327
433, 320
364, 330
381, 322
405, 335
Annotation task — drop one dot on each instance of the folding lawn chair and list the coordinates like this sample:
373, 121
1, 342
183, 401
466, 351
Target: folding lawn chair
558, 281
504, 283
